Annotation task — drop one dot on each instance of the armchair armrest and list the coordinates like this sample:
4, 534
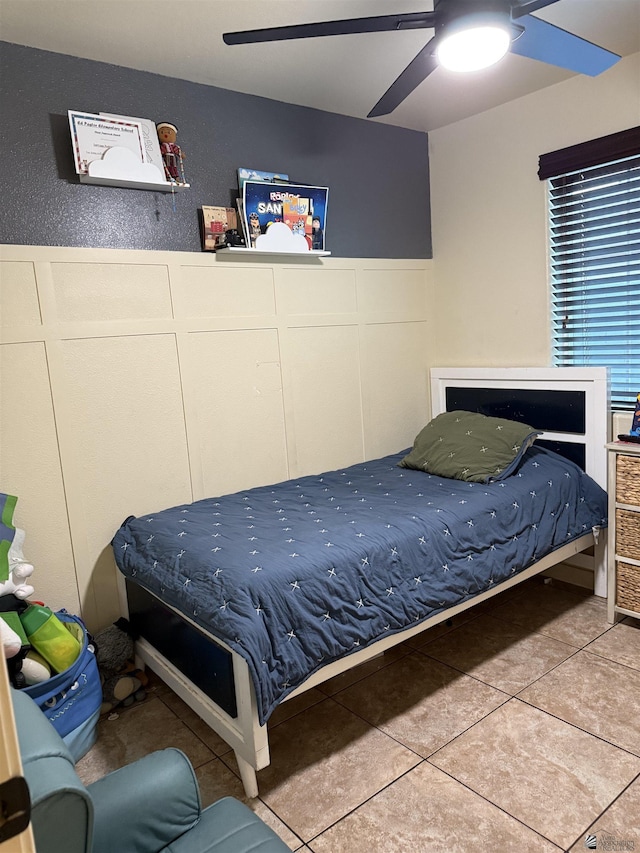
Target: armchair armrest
146, 805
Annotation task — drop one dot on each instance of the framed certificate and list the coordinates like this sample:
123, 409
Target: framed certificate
93, 134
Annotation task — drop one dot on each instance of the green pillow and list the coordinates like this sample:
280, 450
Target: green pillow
470, 446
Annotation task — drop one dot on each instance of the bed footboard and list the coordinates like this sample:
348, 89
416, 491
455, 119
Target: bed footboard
211, 679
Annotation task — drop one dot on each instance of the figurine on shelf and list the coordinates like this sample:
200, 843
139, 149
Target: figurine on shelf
317, 239
255, 229
635, 426
171, 152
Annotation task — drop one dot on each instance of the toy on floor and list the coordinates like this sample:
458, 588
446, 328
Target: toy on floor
122, 683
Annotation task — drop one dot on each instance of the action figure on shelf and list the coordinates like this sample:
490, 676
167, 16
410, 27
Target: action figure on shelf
172, 155
254, 228
635, 426
317, 234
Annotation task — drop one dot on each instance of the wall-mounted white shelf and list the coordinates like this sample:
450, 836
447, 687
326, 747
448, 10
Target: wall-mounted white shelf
119, 167
243, 250
157, 186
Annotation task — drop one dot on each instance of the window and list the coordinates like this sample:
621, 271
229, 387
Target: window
594, 245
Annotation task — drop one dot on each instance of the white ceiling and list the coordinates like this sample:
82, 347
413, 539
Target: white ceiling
342, 74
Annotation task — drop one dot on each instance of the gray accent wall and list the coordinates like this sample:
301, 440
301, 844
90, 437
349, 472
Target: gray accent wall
377, 174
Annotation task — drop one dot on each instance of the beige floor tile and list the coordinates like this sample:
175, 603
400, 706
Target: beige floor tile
423, 811
138, 731
621, 643
194, 722
420, 702
442, 628
618, 828
291, 707
324, 763
351, 676
473, 612
215, 743
216, 780
550, 775
502, 654
571, 617
598, 695
507, 595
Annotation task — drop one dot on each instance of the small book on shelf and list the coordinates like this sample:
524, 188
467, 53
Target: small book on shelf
215, 222
241, 221
245, 174
296, 213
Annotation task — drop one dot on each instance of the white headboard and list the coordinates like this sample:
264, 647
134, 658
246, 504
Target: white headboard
570, 405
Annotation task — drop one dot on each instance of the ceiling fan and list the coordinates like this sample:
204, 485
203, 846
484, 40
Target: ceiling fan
469, 34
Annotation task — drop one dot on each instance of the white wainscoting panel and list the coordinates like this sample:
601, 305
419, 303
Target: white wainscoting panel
133, 381
236, 390
324, 398
19, 295
98, 292
30, 468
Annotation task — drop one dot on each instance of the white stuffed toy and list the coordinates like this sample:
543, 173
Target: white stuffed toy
14, 569
19, 569
11, 642
24, 666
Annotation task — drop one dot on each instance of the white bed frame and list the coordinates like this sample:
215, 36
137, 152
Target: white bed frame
244, 734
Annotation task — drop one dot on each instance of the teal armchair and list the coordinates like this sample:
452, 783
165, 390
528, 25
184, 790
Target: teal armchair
150, 806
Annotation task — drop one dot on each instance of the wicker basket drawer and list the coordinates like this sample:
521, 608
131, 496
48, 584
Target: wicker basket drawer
628, 534
628, 586
628, 480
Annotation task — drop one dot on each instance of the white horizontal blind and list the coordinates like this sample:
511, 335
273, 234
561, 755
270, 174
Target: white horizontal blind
594, 221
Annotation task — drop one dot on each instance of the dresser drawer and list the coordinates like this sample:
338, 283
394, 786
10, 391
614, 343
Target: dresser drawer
628, 534
628, 480
628, 586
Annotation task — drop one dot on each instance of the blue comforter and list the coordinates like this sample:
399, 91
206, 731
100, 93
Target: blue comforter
298, 574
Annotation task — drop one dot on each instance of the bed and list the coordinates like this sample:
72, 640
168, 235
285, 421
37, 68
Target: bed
243, 601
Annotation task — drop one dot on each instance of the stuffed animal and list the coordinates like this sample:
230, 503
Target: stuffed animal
9, 639
14, 569
122, 683
13, 639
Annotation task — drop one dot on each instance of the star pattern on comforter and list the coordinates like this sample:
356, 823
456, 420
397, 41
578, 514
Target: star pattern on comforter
295, 575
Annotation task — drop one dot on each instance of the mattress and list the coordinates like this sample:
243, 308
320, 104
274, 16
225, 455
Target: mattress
295, 575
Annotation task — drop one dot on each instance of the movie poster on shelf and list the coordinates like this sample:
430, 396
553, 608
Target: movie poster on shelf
93, 134
302, 208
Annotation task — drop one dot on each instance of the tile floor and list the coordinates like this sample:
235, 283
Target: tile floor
517, 727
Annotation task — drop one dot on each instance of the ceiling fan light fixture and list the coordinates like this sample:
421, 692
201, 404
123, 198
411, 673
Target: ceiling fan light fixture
474, 42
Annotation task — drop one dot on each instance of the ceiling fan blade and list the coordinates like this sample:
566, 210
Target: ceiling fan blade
525, 7
417, 71
548, 43
375, 24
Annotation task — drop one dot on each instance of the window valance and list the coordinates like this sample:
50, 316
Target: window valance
624, 143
